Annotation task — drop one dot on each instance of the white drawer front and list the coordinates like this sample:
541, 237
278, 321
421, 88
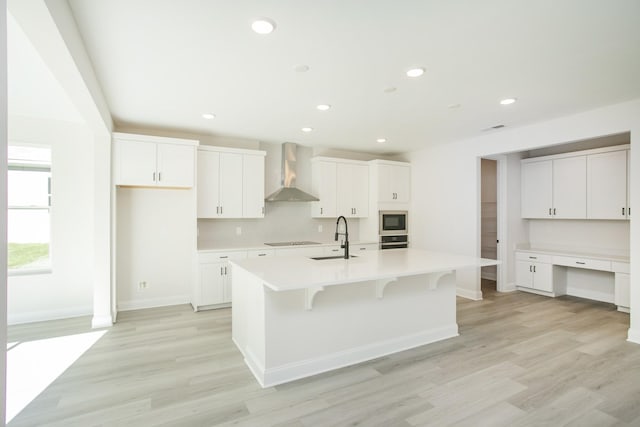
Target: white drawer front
533, 257
620, 267
206, 257
592, 264
261, 253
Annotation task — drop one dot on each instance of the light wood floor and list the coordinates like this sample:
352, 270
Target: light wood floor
520, 360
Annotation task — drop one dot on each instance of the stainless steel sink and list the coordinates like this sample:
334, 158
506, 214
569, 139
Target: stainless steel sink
320, 258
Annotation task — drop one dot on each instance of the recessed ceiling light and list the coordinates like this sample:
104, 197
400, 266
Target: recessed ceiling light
323, 107
453, 106
389, 89
208, 116
415, 72
307, 130
381, 140
508, 101
301, 68
263, 26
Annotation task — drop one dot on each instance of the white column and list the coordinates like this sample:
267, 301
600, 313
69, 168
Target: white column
634, 243
3, 208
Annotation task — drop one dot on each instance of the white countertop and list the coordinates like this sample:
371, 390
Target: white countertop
297, 272
575, 253
261, 246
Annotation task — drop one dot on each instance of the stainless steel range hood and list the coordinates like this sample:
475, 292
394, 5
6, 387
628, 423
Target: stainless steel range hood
289, 192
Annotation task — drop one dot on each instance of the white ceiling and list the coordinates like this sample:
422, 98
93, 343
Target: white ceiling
163, 63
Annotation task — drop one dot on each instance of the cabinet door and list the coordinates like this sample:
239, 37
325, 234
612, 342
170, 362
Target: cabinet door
211, 283
536, 189
543, 277
607, 185
176, 164
324, 186
135, 163
208, 184
622, 290
524, 274
252, 186
570, 188
230, 185
401, 180
385, 184
344, 190
360, 190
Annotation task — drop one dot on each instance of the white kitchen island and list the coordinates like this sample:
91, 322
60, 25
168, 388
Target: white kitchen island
295, 317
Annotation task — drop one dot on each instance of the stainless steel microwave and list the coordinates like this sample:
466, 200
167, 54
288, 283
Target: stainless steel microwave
393, 222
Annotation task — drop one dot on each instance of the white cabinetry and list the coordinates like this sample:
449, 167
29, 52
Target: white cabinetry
607, 185
214, 278
534, 271
324, 184
394, 181
230, 183
342, 187
589, 184
554, 188
145, 161
622, 293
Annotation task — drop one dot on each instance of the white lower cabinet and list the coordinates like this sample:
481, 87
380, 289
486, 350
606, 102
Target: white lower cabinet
622, 293
534, 272
214, 278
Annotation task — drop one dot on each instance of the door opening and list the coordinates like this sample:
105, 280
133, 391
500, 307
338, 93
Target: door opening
489, 223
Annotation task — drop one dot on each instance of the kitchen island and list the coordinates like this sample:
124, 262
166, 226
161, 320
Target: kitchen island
295, 317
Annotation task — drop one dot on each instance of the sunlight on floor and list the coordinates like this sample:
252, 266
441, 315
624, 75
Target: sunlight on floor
33, 365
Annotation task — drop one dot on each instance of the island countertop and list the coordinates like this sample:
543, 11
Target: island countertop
299, 272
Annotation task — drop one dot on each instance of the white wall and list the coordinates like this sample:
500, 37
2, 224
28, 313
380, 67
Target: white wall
67, 290
156, 243
3, 207
446, 178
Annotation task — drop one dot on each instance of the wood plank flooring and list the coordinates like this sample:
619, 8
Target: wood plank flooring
520, 360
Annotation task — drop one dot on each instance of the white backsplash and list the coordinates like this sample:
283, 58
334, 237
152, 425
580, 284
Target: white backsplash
283, 221
606, 237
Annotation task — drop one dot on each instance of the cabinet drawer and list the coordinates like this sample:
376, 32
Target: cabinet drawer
592, 264
255, 253
364, 247
620, 267
533, 257
206, 257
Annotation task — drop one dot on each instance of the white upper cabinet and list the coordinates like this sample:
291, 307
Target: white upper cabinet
589, 184
352, 190
569, 188
394, 182
537, 189
342, 187
252, 186
607, 185
324, 185
230, 183
145, 161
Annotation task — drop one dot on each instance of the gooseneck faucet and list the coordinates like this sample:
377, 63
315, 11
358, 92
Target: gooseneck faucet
345, 245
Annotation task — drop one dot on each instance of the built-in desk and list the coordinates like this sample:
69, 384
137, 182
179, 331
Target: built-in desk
547, 272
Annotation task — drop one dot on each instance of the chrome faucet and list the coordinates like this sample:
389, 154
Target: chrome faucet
345, 245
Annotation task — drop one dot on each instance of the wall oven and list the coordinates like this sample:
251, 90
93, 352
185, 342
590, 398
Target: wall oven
394, 242
393, 223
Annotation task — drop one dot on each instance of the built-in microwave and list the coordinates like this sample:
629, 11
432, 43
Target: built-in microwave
393, 223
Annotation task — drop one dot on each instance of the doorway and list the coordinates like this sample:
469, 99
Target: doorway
489, 223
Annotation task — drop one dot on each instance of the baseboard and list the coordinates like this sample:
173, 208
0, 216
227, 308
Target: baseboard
509, 287
633, 336
101, 322
475, 295
41, 316
153, 302
292, 371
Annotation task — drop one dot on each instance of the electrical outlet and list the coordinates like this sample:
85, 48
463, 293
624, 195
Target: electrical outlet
320, 228
142, 286
238, 231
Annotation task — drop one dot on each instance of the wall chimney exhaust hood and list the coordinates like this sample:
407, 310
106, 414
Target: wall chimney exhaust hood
289, 192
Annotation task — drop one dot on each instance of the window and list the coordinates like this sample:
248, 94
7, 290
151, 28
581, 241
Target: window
29, 206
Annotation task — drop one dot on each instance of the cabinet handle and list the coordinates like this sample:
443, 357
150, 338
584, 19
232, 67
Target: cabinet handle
225, 271
622, 211
554, 211
224, 256
531, 269
363, 249
534, 268
533, 257
549, 211
580, 262
262, 254
154, 177
320, 211
220, 210
221, 271
159, 176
